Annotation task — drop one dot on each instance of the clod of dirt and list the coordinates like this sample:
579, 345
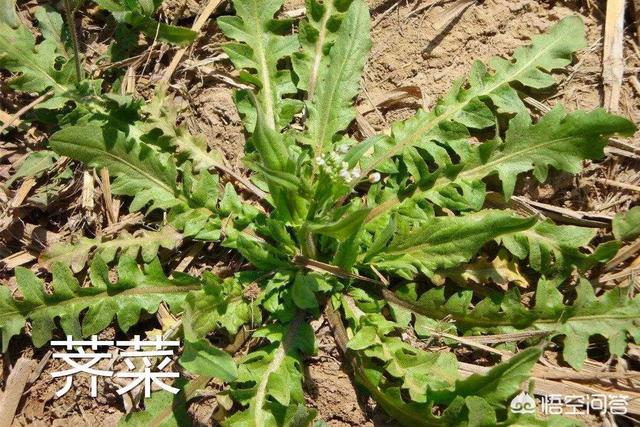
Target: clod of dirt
216, 117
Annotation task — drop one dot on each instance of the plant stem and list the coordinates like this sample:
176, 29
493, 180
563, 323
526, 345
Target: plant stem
307, 244
71, 22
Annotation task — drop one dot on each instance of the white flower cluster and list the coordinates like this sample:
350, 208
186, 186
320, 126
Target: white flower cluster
333, 165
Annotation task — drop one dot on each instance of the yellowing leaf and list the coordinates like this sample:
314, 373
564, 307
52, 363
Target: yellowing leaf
501, 271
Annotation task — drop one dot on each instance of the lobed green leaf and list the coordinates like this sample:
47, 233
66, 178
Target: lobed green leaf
77, 254
134, 291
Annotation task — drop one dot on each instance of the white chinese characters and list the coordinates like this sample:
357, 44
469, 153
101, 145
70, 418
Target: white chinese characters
77, 367
147, 376
81, 361
557, 404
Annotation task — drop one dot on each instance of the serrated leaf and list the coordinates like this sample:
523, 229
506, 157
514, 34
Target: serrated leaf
134, 291
162, 113
530, 66
560, 139
219, 305
261, 44
269, 380
139, 13
35, 64
139, 170
335, 81
316, 34
611, 315
446, 242
556, 250
146, 175
77, 254
430, 378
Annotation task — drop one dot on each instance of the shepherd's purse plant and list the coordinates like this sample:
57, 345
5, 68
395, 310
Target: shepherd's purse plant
402, 241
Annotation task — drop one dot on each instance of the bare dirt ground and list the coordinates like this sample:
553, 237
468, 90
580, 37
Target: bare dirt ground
419, 47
